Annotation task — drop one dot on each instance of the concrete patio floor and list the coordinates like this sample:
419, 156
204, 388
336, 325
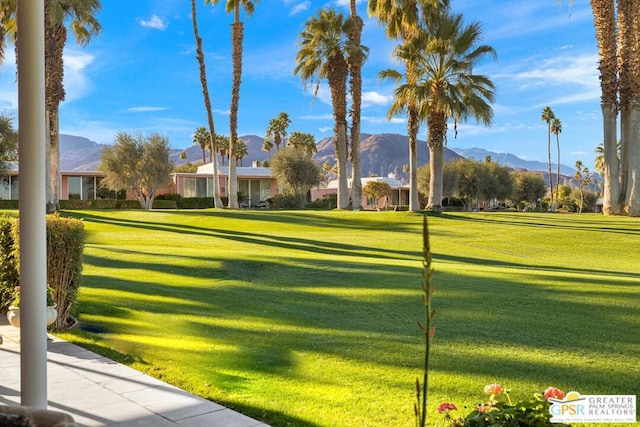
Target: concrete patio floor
97, 391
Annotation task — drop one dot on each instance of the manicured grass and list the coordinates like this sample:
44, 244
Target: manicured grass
309, 318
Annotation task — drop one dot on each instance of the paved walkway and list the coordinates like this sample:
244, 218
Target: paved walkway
97, 391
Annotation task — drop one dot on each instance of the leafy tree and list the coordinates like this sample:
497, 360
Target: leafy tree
528, 187
376, 190
139, 165
294, 170
277, 129
322, 55
584, 180
217, 201
267, 146
8, 143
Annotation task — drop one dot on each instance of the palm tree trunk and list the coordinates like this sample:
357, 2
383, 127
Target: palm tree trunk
625, 42
549, 163
356, 98
437, 129
604, 20
236, 38
217, 201
412, 127
558, 170
633, 153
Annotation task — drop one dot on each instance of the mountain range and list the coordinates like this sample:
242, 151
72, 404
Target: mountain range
381, 155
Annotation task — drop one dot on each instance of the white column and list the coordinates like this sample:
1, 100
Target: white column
33, 256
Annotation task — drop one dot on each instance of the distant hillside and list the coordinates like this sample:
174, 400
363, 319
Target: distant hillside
506, 159
381, 155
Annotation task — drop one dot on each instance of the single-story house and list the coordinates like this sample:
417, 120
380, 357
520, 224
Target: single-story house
399, 191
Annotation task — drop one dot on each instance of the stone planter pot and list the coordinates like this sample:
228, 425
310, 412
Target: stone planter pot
14, 315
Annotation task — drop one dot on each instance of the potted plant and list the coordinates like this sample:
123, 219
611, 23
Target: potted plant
14, 310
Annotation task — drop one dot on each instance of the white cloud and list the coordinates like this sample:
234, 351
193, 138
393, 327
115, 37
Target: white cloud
383, 119
222, 112
300, 7
326, 129
76, 83
316, 117
375, 98
155, 22
145, 109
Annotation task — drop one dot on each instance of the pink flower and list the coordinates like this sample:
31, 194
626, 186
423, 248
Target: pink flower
493, 389
483, 408
553, 393
446, 406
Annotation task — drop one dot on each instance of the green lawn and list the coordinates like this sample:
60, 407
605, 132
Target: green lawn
309, 318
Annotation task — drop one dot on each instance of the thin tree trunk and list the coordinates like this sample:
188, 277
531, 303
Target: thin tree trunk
341, 152
624, 86
236, 38
558, 174
217, 201
437, 129
413, 128
549, 163
604, 21
633, 153
356, 97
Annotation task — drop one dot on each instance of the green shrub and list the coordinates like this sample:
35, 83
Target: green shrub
128, 204
65, 243
284, 201
195, 203
169, 196
8, 204
75, 204
8, 263
328, 201
164, 204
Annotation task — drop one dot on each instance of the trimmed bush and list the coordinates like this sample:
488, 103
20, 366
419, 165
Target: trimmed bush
285, 201
65, 243
195, 203
8, 263
8, 204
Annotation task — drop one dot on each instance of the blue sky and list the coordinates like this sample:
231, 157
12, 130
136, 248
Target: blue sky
141, 75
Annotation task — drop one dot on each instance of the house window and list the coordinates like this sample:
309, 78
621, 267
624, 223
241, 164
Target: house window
14, 187
210, 187
88, 188
265, 189
5, 187
201, 187
189, 187
75, 188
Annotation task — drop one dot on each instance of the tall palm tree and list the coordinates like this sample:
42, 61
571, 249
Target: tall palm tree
556, 129
599, 160
547, 117
241, 150
237, 34
604, 15
303, 141
402, 19
355, 58
624, 58
267, 146
632, 152
217, 201
321, 55
222, 143
448, 88
202, 137
80, 16
277, 129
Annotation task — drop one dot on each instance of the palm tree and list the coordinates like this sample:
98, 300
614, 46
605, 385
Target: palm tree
267, 146
355, 59
321, 55
402, 20
632, 152
547, 117
277, 129
303, 141
241, 150
447, 87
599, 160
604, 14
237, 34
556, 129
222, 143
217, 201
202, 137
80, 16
